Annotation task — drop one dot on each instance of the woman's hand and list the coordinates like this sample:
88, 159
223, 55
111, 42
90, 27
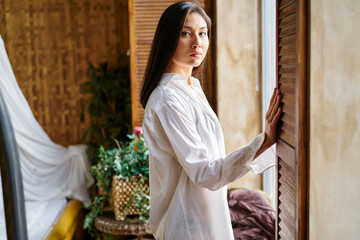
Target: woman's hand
271, 119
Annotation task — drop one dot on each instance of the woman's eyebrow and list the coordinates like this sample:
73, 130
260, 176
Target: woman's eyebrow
191, 27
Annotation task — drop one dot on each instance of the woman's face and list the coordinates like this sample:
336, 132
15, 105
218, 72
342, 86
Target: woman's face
193, 44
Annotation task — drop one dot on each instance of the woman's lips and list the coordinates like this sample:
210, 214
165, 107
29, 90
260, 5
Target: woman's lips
196, 54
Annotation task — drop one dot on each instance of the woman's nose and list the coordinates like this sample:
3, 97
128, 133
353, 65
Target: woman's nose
196, 42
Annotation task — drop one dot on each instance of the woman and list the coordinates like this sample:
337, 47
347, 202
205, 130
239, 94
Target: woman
189, 169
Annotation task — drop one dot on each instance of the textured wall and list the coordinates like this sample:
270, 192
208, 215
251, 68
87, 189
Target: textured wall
335, 120
238, 98
50, 44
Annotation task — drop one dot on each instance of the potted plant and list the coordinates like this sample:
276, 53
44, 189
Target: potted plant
108, 105
122, 174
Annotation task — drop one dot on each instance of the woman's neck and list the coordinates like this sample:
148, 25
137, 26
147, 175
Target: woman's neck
186, 72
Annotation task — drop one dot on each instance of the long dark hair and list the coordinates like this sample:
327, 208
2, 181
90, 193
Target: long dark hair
165, 42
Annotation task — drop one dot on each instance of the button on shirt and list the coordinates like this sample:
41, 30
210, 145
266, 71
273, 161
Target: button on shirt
189, 169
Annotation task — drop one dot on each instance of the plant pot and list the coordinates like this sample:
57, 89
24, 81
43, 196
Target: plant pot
123, 193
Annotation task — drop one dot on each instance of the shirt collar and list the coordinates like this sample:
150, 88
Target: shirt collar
176, 76
181, 81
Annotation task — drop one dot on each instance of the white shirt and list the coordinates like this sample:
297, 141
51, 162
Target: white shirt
189, 169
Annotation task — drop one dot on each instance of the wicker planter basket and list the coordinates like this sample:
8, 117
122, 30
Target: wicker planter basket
122, 192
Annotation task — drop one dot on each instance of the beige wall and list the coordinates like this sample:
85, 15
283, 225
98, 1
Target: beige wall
335, 120
238, 97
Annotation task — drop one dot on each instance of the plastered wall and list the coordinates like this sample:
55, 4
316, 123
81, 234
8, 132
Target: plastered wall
334, 120
237, 84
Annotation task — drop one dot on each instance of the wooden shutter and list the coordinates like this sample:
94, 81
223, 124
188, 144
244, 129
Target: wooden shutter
292, 137
144, 16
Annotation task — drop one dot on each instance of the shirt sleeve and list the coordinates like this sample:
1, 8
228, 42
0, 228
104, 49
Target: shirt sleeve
193, 155
265, 161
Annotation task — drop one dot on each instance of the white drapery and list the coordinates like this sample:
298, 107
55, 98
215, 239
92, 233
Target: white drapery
49, 170
268, 24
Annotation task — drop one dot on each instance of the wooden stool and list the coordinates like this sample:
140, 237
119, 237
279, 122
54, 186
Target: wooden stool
106, 223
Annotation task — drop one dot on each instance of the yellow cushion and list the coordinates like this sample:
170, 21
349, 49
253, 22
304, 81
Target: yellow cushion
66, 225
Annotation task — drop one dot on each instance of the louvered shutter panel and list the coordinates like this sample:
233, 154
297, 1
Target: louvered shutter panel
144, 16
291, 147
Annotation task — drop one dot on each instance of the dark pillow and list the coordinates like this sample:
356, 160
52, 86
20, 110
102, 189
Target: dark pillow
252, 216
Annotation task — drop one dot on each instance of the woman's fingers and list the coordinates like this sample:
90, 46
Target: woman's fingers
272, 117
273, 96
268, 113
276, 117
275, 106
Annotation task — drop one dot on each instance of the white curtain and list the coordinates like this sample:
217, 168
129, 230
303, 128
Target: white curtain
49, 170
268, 40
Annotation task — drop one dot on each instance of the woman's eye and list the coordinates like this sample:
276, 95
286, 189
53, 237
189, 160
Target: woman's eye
185, 33
203, 33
